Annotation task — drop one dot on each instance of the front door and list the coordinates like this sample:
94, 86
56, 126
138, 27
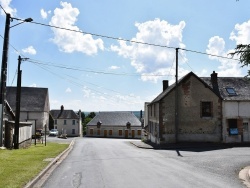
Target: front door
133, 133
246, 135
105, 133
126, 133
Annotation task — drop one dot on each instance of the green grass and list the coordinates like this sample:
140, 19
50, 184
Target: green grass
18, 167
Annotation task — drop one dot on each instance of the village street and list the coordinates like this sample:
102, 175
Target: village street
116, 163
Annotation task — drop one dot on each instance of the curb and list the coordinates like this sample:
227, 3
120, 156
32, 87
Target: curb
46, 169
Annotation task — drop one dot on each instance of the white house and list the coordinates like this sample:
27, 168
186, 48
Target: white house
67, 122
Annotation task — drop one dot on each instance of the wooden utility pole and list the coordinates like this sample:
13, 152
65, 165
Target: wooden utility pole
176, 99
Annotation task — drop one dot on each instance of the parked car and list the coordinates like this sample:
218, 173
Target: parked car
53, 132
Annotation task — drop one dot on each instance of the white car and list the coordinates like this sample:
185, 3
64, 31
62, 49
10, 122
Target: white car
53, 132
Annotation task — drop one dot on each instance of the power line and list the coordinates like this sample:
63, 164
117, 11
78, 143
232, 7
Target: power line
3, 9
126, 40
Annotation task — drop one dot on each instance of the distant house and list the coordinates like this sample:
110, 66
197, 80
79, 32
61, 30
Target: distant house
67, 122
209, 109
34, 106
114, 125
235, 92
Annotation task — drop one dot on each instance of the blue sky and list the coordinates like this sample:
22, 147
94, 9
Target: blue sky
94, 73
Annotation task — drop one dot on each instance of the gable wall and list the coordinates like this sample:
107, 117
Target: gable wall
191, 126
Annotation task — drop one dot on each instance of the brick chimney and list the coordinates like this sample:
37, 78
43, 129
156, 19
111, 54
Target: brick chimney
214, 81
62, 108
165, 84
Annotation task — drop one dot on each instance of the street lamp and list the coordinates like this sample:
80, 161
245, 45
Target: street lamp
4, 71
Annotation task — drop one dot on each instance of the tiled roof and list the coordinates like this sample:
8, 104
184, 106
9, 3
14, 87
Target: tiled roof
63, 114
241, 86
115, 119
32, 99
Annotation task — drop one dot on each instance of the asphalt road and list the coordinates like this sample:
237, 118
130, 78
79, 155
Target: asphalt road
116, 163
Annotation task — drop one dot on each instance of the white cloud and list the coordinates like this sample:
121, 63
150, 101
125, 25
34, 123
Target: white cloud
33, 85
6, 6
29, 50
227, 67
241, 34
68, 41
68, 90
114, 67
44, 14
151, 60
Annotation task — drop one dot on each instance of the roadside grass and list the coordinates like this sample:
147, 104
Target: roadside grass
18, 167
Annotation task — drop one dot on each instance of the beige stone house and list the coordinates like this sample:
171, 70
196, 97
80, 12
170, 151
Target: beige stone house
114, 125
199, 113
210, 109
67, 122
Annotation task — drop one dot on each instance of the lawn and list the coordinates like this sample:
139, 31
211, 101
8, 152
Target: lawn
18, 167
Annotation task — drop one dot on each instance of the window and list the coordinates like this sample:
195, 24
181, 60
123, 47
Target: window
55, 122
73, 122
65, 122
245, 126
98, 132
232, 125
73, 131
230, 91
206, 109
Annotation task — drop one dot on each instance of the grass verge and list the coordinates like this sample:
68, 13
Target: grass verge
18, 167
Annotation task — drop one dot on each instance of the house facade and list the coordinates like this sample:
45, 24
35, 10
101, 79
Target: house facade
196, 117
209, 109
34, 105
67, 122
235, 92
114, 125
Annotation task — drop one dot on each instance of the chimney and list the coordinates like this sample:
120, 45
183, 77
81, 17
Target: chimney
214, 82
165, 84
62, 108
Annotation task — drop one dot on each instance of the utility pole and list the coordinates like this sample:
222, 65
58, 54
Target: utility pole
18, 101
4, 75
176, 99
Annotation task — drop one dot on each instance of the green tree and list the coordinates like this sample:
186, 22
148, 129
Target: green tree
243, 50
91, 115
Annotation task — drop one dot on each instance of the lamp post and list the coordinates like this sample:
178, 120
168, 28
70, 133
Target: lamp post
4, 71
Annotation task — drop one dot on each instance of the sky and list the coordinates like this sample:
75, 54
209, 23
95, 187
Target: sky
113, 55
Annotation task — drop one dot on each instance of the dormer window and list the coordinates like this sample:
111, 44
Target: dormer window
231, 91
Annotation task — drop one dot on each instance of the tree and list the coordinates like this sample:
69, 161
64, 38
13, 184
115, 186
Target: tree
91, 115
243, 50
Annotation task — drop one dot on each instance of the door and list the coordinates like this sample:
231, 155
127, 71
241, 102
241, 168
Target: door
133, 133
126, 133
246, 134
105, 133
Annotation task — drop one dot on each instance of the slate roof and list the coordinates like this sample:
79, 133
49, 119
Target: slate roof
241, 85
64, 114
172, 87
115, 119
33, 99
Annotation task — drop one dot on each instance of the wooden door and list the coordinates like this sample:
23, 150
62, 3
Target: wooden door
126, 133
105, 133
133, 133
